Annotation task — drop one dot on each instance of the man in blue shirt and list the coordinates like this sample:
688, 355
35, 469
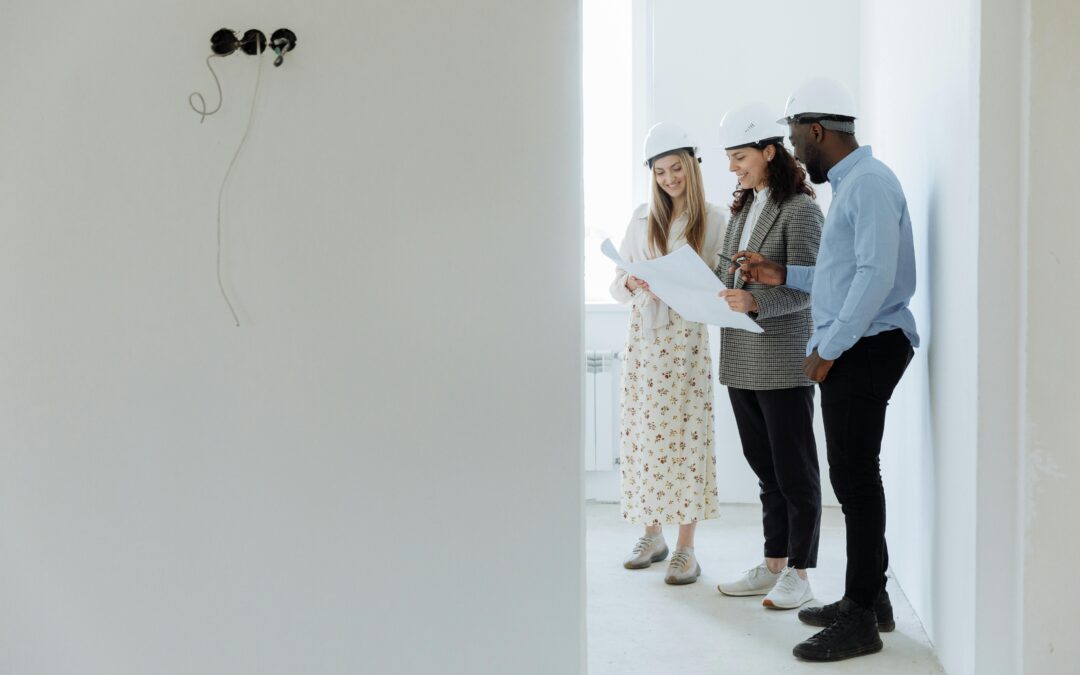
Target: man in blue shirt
862, 342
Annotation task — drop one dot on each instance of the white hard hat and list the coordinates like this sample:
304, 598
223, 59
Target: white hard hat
665, 138
819, 96
747, 125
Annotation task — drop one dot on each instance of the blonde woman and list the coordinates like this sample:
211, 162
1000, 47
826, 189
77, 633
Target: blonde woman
667, 456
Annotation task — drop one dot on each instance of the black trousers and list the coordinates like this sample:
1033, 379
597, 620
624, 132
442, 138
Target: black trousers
854, 396
777, 431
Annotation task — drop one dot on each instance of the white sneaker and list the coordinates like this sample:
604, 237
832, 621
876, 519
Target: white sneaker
683, 568
790, 591
755, 581
646, 551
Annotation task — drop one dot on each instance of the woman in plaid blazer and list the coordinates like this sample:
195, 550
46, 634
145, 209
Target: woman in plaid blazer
774, 212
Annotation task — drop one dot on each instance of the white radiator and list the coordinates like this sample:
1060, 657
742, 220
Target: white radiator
602, 381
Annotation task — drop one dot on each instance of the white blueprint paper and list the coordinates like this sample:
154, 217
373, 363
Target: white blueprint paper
687, 285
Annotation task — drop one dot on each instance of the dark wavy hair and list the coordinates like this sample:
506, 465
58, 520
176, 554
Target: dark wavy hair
786, 177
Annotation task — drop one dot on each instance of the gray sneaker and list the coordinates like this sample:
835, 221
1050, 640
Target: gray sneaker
683, 568
646, 551
754, 581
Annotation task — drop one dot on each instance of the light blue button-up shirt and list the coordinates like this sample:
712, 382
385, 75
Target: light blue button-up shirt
865, 272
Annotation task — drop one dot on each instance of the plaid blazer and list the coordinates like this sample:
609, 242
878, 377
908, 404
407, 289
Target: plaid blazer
786, 233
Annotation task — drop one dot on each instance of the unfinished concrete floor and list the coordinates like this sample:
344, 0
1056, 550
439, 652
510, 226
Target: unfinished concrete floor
639, 625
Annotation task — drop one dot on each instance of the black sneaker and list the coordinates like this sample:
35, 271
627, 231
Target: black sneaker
823, 616
853, 633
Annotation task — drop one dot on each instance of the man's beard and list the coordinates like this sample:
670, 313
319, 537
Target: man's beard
813, 168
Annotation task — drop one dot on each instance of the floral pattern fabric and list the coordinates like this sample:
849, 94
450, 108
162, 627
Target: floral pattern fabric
667, 458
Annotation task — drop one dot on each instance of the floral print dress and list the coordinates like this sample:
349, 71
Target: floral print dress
667, 460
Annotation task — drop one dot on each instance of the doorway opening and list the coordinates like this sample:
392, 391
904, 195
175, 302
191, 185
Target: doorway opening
646, 62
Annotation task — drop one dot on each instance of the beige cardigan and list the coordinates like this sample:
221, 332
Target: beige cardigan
635, 247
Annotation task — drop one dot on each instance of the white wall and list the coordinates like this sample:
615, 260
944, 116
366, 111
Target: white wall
920, 115
1001, 458
605, 330
363, 478
1002, 191
1051, 464
709, 56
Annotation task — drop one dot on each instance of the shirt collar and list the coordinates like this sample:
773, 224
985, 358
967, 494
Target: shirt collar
844, 166
760, 197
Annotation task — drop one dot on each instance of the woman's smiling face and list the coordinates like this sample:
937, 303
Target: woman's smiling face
750, 166
670, 175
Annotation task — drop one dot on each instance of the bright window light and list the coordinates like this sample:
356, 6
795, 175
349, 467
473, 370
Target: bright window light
607, 83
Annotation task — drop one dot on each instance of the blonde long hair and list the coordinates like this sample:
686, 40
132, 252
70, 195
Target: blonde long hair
661, 205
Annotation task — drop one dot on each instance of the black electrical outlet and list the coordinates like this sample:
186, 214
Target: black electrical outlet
224, 42
253, 42
283, 40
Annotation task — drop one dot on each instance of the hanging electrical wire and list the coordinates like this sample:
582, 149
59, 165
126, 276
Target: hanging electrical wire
224, 182
202, 101
222, 43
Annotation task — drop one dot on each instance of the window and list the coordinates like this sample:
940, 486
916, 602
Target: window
609, 149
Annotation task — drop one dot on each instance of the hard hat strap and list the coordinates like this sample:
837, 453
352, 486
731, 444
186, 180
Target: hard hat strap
844, 125
672, 152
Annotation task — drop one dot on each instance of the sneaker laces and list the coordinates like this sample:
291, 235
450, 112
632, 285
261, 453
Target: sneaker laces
680, 559
643, 544
788, 581
755, 572
838, 625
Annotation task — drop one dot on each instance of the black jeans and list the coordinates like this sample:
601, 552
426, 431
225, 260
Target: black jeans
777, 431
854, 396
